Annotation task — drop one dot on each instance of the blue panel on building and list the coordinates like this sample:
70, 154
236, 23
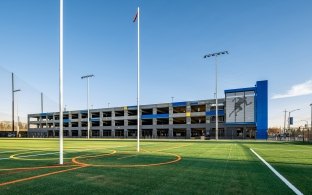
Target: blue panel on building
194, 103
241, 123
213, 113
66, 120
262, 109
151, 116
240, 90
95, 119
84, 112
132, 107
177, 104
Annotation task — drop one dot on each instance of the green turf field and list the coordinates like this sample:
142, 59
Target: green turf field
27, 166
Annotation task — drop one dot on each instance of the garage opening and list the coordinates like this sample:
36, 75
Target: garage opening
162, 121
107, 114
198, 108
197, 132
179, 120
198, 120
119, 123
74, 133
147, 111
179, 133
107, 123
132, 122
179, 109
147, 121
132, 112
162, 133
119, 113
164, 110
95, 133
107, 133
119, 133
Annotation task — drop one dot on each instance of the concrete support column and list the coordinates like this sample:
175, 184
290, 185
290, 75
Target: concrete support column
101, 133
126, 133
79, 133
170, 133
101, 118
188, 133
154, 135
79, 120
154, 119
113, 133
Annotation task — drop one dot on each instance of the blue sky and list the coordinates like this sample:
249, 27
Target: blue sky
267, 40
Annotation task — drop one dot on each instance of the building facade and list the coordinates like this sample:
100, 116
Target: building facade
242, 114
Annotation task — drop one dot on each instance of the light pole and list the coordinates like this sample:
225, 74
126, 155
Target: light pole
289, 119
18, 90
87, 77
13, 91
310, 124
285, 121
216, 55
172, 99
108, 105
307, 128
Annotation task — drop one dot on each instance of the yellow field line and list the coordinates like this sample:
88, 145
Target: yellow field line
38, 176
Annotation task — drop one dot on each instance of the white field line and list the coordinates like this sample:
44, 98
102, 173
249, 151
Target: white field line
292, 187
4, 158
223, 172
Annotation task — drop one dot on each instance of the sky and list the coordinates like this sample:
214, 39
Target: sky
266, 40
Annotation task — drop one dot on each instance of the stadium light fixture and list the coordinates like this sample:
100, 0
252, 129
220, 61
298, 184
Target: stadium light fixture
88, 77
216, 96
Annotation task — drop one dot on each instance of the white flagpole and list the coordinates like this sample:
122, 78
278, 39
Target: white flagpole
138, 82
61, 83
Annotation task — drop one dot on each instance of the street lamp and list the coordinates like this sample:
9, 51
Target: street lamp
216, 55
289, 117
87, 77
172, 99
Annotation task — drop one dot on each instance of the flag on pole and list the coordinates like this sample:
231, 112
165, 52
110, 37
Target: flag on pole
135, 17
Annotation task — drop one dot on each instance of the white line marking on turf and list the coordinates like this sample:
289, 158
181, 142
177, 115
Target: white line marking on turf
4, 158
292, 187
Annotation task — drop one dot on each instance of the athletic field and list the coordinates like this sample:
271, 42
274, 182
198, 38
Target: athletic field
29, 166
